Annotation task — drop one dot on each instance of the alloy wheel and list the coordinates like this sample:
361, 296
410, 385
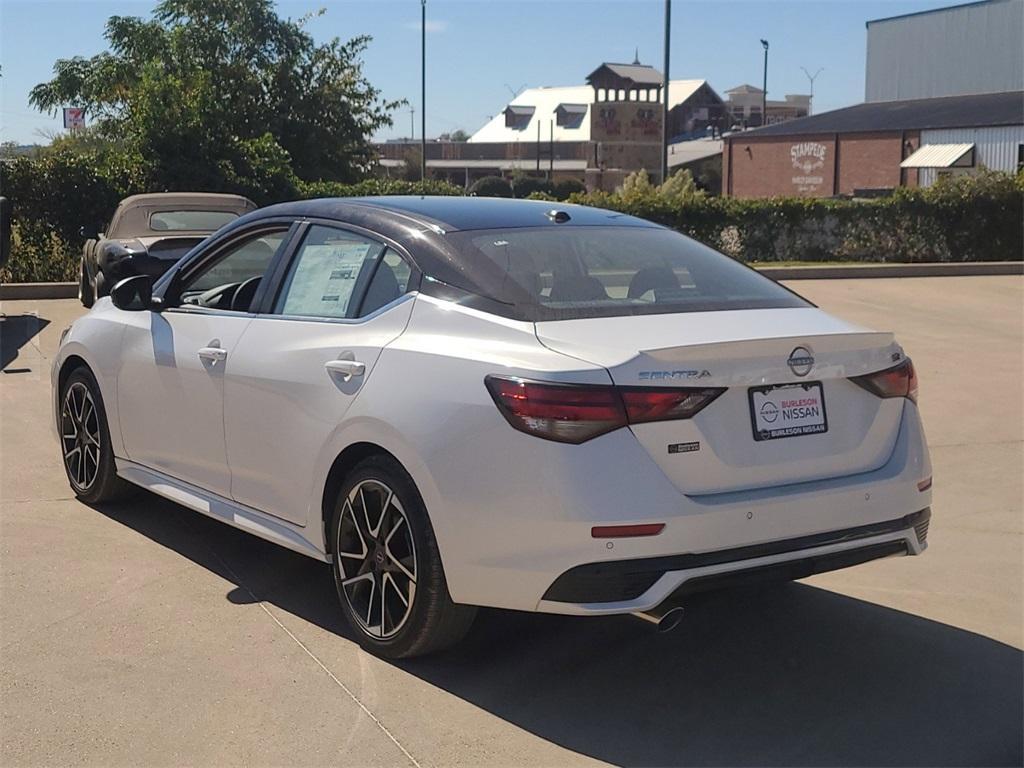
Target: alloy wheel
376, 559
80, 436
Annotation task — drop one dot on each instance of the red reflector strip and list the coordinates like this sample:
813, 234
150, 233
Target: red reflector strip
626, 531
664, 404
925, 484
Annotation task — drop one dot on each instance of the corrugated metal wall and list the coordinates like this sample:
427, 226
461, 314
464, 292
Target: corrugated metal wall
996, 148
976, 48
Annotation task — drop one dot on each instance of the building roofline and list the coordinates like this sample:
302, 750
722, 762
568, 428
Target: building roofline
869, 22
883, 119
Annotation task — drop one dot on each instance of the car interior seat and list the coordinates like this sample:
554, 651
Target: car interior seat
383, 289
570, 283
523, 270
656, 278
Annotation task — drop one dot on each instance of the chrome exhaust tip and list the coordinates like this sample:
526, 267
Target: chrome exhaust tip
664, 621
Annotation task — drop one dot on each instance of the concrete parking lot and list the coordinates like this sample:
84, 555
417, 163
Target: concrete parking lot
146, 634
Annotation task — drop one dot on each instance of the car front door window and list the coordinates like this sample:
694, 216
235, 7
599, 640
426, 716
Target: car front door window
230, 280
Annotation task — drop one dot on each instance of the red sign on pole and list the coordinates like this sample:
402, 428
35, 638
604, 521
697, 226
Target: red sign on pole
74, 118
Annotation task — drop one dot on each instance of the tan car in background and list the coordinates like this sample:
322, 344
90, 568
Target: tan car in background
148, 233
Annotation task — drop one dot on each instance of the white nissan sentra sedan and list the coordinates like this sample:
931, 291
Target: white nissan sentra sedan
462, 402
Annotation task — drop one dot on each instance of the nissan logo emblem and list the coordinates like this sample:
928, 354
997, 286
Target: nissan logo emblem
800, 361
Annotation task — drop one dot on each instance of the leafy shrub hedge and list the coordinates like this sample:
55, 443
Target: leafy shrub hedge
966, 218
491, 186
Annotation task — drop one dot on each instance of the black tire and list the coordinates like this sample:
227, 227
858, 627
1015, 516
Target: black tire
86, 294
431, 621
94, 480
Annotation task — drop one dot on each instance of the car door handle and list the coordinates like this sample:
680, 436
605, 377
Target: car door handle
345, 369
213, 354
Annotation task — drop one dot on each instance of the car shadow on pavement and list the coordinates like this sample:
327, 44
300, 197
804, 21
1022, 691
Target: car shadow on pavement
15, 332
774, 675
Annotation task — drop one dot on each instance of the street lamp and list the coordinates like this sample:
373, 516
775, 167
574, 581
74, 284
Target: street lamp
423, 90
764, 90
664, 93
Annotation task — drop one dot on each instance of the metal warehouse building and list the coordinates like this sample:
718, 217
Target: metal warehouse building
945, 95
973, 48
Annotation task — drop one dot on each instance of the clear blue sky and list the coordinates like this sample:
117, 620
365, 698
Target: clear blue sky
475, 49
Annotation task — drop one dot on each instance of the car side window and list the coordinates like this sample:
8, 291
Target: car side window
230, 280
390, 280
328, 271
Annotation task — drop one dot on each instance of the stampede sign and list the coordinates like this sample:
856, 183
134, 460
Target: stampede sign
808, 157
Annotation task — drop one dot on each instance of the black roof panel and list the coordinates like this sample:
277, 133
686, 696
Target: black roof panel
974, 111
453, 213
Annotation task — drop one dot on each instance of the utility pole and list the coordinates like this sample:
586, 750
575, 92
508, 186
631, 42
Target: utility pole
412, 123
423, 90
812, 78
764, 90
664, 93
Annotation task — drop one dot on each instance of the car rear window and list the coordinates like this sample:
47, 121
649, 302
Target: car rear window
559, 273
190, 221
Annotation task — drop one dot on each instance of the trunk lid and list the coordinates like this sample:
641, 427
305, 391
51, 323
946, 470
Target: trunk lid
746, 352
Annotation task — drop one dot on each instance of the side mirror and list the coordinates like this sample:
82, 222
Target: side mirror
133, 294
89, 231
5, 230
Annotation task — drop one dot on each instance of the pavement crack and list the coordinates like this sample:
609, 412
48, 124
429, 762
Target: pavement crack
348, 691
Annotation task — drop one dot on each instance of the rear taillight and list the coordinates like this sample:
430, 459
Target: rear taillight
898, 381
664, 404
574, 413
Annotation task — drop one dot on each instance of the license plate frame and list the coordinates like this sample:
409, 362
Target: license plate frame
813, 389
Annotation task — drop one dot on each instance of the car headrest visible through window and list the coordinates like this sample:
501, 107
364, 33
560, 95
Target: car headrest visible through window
652, 279
383, 289
570, 283
524, 271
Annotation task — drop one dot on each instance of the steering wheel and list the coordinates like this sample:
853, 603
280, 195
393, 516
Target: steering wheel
220, 296
242, 300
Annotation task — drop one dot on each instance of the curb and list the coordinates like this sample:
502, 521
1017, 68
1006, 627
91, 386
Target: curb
17, 291
860, 271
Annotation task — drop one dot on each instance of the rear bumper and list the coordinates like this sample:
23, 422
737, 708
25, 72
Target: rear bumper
646, 583
508, 530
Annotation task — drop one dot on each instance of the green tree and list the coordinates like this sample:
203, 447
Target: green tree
224, 94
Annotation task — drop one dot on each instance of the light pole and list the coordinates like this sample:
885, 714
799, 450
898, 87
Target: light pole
764, 90
664, 94
423, 90
812, 78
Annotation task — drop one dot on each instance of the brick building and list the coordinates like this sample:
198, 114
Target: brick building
870, 148
944, 96
744, 103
